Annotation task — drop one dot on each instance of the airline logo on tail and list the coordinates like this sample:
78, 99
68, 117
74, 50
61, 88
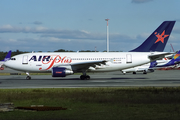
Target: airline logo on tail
160, 37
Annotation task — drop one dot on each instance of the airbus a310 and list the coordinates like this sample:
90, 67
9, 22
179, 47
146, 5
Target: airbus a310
61, 64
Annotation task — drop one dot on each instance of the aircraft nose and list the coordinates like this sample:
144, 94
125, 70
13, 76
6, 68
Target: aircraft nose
8, 63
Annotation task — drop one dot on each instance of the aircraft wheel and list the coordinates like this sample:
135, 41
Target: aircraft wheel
144, 72
28, 78
134, 72
84, 77
87, 77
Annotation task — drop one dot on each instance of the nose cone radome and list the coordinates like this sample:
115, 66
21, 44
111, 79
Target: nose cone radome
9, 64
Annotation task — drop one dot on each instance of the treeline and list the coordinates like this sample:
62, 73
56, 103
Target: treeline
62, 50
3, 54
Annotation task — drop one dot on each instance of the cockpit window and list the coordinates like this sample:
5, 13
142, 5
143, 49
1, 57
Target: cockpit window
13, 58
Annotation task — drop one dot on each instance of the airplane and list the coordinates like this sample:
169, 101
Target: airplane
61, 64
8, 57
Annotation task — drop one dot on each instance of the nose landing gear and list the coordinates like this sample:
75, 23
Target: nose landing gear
28, 76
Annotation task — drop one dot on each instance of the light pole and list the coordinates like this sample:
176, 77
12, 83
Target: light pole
107, 36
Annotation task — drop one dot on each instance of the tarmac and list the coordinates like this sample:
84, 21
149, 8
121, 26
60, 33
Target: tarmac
159, 78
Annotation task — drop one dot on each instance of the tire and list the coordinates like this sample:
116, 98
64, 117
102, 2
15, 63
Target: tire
28, 78
82, 77
134, 72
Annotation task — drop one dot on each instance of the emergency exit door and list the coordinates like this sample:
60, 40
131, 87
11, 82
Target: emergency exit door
128, 58
25, 59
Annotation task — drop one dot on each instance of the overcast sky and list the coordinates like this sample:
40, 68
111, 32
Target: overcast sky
49, 25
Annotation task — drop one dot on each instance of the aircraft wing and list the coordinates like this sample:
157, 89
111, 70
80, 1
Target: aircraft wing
154, 57
86, 65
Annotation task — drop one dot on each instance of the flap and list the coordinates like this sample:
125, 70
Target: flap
86, 65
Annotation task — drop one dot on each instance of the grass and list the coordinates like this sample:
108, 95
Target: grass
95, 103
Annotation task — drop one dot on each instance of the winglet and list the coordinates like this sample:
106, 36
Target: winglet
158, 39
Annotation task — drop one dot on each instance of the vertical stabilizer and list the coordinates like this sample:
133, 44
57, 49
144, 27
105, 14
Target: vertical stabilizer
158, 39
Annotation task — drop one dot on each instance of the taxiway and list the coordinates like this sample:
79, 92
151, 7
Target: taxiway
160, 78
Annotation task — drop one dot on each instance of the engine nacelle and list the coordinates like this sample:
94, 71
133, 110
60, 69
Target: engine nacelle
61, 72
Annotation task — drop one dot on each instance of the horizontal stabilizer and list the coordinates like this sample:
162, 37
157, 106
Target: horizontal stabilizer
154, 57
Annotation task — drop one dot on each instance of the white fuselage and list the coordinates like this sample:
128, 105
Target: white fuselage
44, 62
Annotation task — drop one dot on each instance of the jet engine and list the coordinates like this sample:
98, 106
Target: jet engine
61, 72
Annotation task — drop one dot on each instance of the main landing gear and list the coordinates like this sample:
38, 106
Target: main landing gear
85, 77
144, 72
28, 76
134, 72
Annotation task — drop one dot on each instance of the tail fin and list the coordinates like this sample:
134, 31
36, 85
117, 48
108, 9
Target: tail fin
158, 39
8, 56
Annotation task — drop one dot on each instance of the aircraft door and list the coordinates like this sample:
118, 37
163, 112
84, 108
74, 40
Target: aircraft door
128, 58
25, 59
